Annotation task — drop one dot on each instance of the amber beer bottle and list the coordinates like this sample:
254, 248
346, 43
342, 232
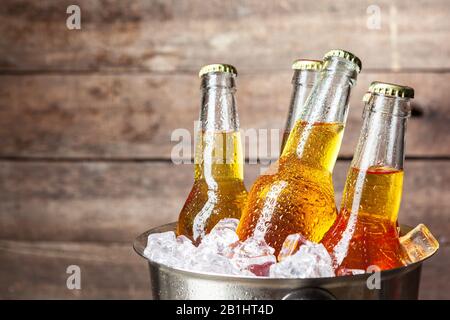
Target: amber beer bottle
218, 191
298, 196
305, 76
365, 232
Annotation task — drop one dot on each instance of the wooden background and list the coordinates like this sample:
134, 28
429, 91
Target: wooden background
86, 118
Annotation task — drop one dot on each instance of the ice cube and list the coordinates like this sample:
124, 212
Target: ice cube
161, 238
291, 245
419, 244
310, 261
227, 223
166, 249
184, 250
260, 270
252, 255
207, 261
161, 247
221, 236
182, 240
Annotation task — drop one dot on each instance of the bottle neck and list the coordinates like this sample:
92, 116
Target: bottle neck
302, 83
218, 151
375, 180
382, 139
317, 135
218, 106
328, 101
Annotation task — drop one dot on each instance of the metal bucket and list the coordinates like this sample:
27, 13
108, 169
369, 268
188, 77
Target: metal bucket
171, 283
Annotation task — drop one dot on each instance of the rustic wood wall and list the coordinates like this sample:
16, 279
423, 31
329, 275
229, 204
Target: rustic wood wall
86, 117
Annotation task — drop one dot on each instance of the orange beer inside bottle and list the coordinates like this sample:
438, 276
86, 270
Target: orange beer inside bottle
296, 195
218, 191
375, 237
365, 233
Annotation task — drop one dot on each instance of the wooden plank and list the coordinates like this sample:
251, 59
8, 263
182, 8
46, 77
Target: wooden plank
101, 201
435, 281
169, 36
133, 116
37, 270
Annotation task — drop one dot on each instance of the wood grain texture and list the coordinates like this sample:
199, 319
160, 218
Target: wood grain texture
95, 201
86, 118
435, 281
177, 36
37, 270
133, 116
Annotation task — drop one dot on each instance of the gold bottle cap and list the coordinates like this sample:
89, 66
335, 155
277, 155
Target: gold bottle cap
306, 64
217, 67
391, 89
346, 55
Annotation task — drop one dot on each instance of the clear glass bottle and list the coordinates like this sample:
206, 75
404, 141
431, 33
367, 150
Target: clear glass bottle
365, 232
218, 191
298, 195
306, 73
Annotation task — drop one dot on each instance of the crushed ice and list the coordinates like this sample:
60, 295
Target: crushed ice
221, 252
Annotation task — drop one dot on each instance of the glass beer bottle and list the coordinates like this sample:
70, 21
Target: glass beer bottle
218, 191
365, 232
298, 195
305, 76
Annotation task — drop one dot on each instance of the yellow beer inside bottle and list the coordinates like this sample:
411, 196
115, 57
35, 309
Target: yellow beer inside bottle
296, 195
218, 191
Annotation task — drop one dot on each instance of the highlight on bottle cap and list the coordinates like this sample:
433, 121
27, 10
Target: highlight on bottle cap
366, 96
306, 64
391, 89
344, 54
217, 67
